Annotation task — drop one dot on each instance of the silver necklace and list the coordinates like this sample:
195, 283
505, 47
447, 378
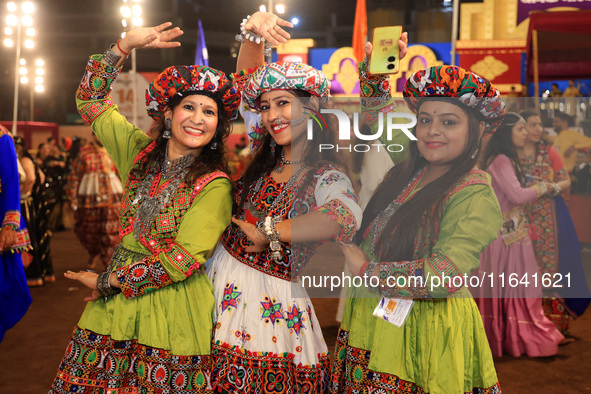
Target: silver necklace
176, 170
286, 163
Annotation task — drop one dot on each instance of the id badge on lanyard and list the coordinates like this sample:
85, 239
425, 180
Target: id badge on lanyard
393, 310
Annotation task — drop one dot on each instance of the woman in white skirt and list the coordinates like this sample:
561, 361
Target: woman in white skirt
267, 337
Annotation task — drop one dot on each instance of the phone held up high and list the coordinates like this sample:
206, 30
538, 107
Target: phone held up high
384, 57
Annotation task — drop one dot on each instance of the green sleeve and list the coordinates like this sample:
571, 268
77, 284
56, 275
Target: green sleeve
375, 99
122, 140
471, 221
198, 234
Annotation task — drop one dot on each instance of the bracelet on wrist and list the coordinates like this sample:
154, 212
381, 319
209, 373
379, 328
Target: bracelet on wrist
103, 285
110, 57
122, 51
273, 236
252, 36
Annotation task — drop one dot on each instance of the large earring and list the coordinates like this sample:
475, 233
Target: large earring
167, 125
273, 144
474, 154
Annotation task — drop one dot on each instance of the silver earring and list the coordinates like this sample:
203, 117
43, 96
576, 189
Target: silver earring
273, 144
474, 154
214, 145
167, 125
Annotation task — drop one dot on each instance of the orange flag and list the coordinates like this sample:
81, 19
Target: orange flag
360, 30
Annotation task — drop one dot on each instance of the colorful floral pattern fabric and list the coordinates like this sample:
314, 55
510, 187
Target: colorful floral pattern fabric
284, 76
181, 80
330, 191
470, 89
92, 359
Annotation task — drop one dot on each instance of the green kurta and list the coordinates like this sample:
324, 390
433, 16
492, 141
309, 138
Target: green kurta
155, 336
177, 317
442, 346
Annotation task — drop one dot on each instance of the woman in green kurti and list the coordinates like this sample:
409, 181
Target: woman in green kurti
431, 217
147, 326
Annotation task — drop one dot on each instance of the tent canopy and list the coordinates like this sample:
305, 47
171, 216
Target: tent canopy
563, 45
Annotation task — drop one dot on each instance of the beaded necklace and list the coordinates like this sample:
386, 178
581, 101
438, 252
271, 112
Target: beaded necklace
176, 170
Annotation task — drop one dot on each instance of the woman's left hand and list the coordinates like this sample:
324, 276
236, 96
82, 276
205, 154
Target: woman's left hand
402, 47
354, 257
259, 241
268, 26
88, 279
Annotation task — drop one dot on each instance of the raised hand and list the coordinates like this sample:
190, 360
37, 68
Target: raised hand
151, 37
268, 26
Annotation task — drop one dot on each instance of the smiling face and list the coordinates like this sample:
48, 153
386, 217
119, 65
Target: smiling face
519, 134
193, 124
278, 107
533, 126
442, 132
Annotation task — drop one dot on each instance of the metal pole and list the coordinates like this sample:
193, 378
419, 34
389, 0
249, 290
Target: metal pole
16, 67
32, 106
454, 29
270, 56
134, 87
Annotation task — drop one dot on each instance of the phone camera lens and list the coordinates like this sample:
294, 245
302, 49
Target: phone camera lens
390, 66
391, 59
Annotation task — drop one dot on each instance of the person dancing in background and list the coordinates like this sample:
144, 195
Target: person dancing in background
432, 215
14, 238
556, 253
148, 322
513, 315
94, 190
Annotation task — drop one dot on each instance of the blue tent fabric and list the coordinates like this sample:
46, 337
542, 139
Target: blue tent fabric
576, 297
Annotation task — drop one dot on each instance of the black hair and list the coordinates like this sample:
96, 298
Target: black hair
264, 161
501, 143
209, 159
400, 231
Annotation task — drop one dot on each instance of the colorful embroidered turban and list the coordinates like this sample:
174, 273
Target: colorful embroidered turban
284, 76
470, 89
190, 79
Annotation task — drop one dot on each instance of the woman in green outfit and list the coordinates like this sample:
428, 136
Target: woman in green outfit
147, 326
431, 217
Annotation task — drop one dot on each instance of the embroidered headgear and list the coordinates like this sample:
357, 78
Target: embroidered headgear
191, 79
284, 76
471, 90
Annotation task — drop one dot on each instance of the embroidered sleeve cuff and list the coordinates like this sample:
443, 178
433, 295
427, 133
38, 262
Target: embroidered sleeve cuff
403, 279
342, 214
142, 277
374, 86
94, 89
182, 260
449, 277
12, 219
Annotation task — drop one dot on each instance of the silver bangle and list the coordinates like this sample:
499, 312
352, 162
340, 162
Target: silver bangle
110, 57
103, 285
252, 36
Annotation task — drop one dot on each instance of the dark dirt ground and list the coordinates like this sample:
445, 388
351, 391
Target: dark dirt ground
32, 350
